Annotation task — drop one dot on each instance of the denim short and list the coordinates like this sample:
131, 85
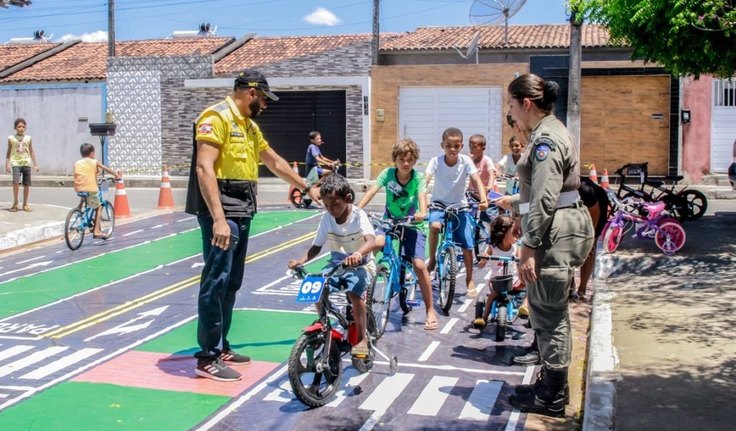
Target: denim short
463, 233
351, 280
413, 243
24, 172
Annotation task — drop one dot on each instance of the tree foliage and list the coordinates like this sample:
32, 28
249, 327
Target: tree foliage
687, 37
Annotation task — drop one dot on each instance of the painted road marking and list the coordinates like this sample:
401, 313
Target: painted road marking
351, 379
384, 395
60, 364
30, 360
126, 328
134, 232
281, 394
15, 350
448, 326
428, 351
465, 305
514, 418
433, 396
481, 400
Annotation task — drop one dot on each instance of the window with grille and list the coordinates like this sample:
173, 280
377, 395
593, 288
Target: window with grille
724, 92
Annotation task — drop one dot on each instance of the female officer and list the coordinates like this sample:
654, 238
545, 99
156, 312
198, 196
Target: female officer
557, 235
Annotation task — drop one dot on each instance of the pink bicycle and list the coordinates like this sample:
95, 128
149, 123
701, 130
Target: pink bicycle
649, 221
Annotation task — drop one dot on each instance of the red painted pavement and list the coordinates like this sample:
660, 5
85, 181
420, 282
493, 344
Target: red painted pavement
171, 373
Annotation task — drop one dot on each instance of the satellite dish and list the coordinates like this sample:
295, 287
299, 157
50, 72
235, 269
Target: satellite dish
472, 48
483, 12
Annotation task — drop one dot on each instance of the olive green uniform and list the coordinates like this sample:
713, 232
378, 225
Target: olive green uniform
556, 224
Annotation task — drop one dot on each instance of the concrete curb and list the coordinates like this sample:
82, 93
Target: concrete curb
31, 234
600, 391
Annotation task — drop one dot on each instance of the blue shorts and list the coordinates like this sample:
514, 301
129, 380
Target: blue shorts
413, 243
463, 233
351, 280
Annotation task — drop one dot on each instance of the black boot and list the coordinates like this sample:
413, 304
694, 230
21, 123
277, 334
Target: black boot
521, 389
548, 396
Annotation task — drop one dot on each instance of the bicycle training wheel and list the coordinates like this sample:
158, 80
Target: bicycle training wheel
379, 302
107, 218
501, 322
74, 228
697, 203
313, 379
447, 273
612, 235
670, 236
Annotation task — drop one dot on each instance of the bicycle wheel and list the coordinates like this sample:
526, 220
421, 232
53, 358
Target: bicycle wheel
613, 233
295, 197
501, 322
448, 272
107, 218
670, 236
697, 203
313, 379
74, 228
379, 302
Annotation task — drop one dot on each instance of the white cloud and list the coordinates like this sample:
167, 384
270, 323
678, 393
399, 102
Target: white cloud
98, 36
322, 16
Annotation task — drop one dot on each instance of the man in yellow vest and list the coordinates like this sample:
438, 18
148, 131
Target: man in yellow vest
222, 194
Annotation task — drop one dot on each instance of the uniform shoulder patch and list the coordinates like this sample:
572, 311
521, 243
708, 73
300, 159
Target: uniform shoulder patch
542, 147
205, 129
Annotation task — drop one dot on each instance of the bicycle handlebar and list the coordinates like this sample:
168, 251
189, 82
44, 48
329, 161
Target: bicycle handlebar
301, 272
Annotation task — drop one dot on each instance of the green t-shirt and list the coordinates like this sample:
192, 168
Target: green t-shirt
402, 200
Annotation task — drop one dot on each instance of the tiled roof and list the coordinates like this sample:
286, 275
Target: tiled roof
11, 55
88, 60
492, 37
269, 50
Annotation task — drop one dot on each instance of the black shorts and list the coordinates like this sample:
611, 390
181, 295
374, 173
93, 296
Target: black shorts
592, 194
24, 172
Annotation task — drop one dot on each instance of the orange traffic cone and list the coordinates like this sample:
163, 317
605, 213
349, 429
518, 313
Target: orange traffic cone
593, 176
165, 198
121, 200
295, 168
604, 179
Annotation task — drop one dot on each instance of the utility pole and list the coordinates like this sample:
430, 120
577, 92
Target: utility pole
376, 9
573, 87
111, 28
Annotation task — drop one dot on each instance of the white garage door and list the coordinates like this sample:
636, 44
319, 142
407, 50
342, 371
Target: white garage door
425, 112
724, 124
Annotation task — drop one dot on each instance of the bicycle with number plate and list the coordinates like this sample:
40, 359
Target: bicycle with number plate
446, 255
314, 366
394, 275
82, 217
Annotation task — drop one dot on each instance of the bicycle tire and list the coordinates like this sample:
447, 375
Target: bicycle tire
613, 233
670, 236
448, 272
379, 302
501, 322
312, 387
697, 203
74, 229
295, 197
107, 218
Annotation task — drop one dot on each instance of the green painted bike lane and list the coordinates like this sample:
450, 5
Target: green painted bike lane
29, 292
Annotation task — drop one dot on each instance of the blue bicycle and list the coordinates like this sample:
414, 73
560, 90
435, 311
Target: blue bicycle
394, 275
505, 307
82, 217
446, 255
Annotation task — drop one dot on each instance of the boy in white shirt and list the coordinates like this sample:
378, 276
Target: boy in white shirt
451, 172
348, 232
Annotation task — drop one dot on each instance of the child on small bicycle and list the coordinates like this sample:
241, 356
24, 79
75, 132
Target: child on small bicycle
314, 157
86, 170
347, 231
452, 170
406, 196
503, 244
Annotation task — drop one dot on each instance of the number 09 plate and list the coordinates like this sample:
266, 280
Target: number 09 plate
311, 289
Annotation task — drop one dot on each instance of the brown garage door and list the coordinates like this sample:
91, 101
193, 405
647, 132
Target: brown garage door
625, 119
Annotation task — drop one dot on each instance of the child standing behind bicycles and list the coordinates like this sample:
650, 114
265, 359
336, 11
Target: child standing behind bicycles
406, 196
503, 244
452, 171
348, 232
85, 181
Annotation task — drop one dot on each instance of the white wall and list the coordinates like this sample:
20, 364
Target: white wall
53, 113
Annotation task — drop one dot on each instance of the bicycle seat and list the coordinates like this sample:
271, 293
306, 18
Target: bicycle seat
654, 183
653, 209
83, 194
673, 178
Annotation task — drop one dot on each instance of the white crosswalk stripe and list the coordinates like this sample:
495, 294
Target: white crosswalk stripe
433, 396
49, 357
15, 350
481, 400
30, 360
60, 364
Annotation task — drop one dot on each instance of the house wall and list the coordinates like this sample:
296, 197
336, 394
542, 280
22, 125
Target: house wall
147, 117
696, 136
58, 117
387, 80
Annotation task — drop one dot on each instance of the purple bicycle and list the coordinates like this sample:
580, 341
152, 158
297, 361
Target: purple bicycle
649, 221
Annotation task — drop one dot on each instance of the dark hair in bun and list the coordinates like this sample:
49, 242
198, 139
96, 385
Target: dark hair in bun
530, 86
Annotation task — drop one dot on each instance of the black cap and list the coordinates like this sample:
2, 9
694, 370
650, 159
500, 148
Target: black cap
250, 78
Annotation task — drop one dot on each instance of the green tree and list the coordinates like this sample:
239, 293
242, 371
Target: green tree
687, 37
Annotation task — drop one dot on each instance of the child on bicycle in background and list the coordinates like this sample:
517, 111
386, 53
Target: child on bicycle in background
503, 244
406, 196
507, 165
483, 162
348, 233
86, 170
314, 157
452, 170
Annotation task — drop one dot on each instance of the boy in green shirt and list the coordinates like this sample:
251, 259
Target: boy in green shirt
406, 196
